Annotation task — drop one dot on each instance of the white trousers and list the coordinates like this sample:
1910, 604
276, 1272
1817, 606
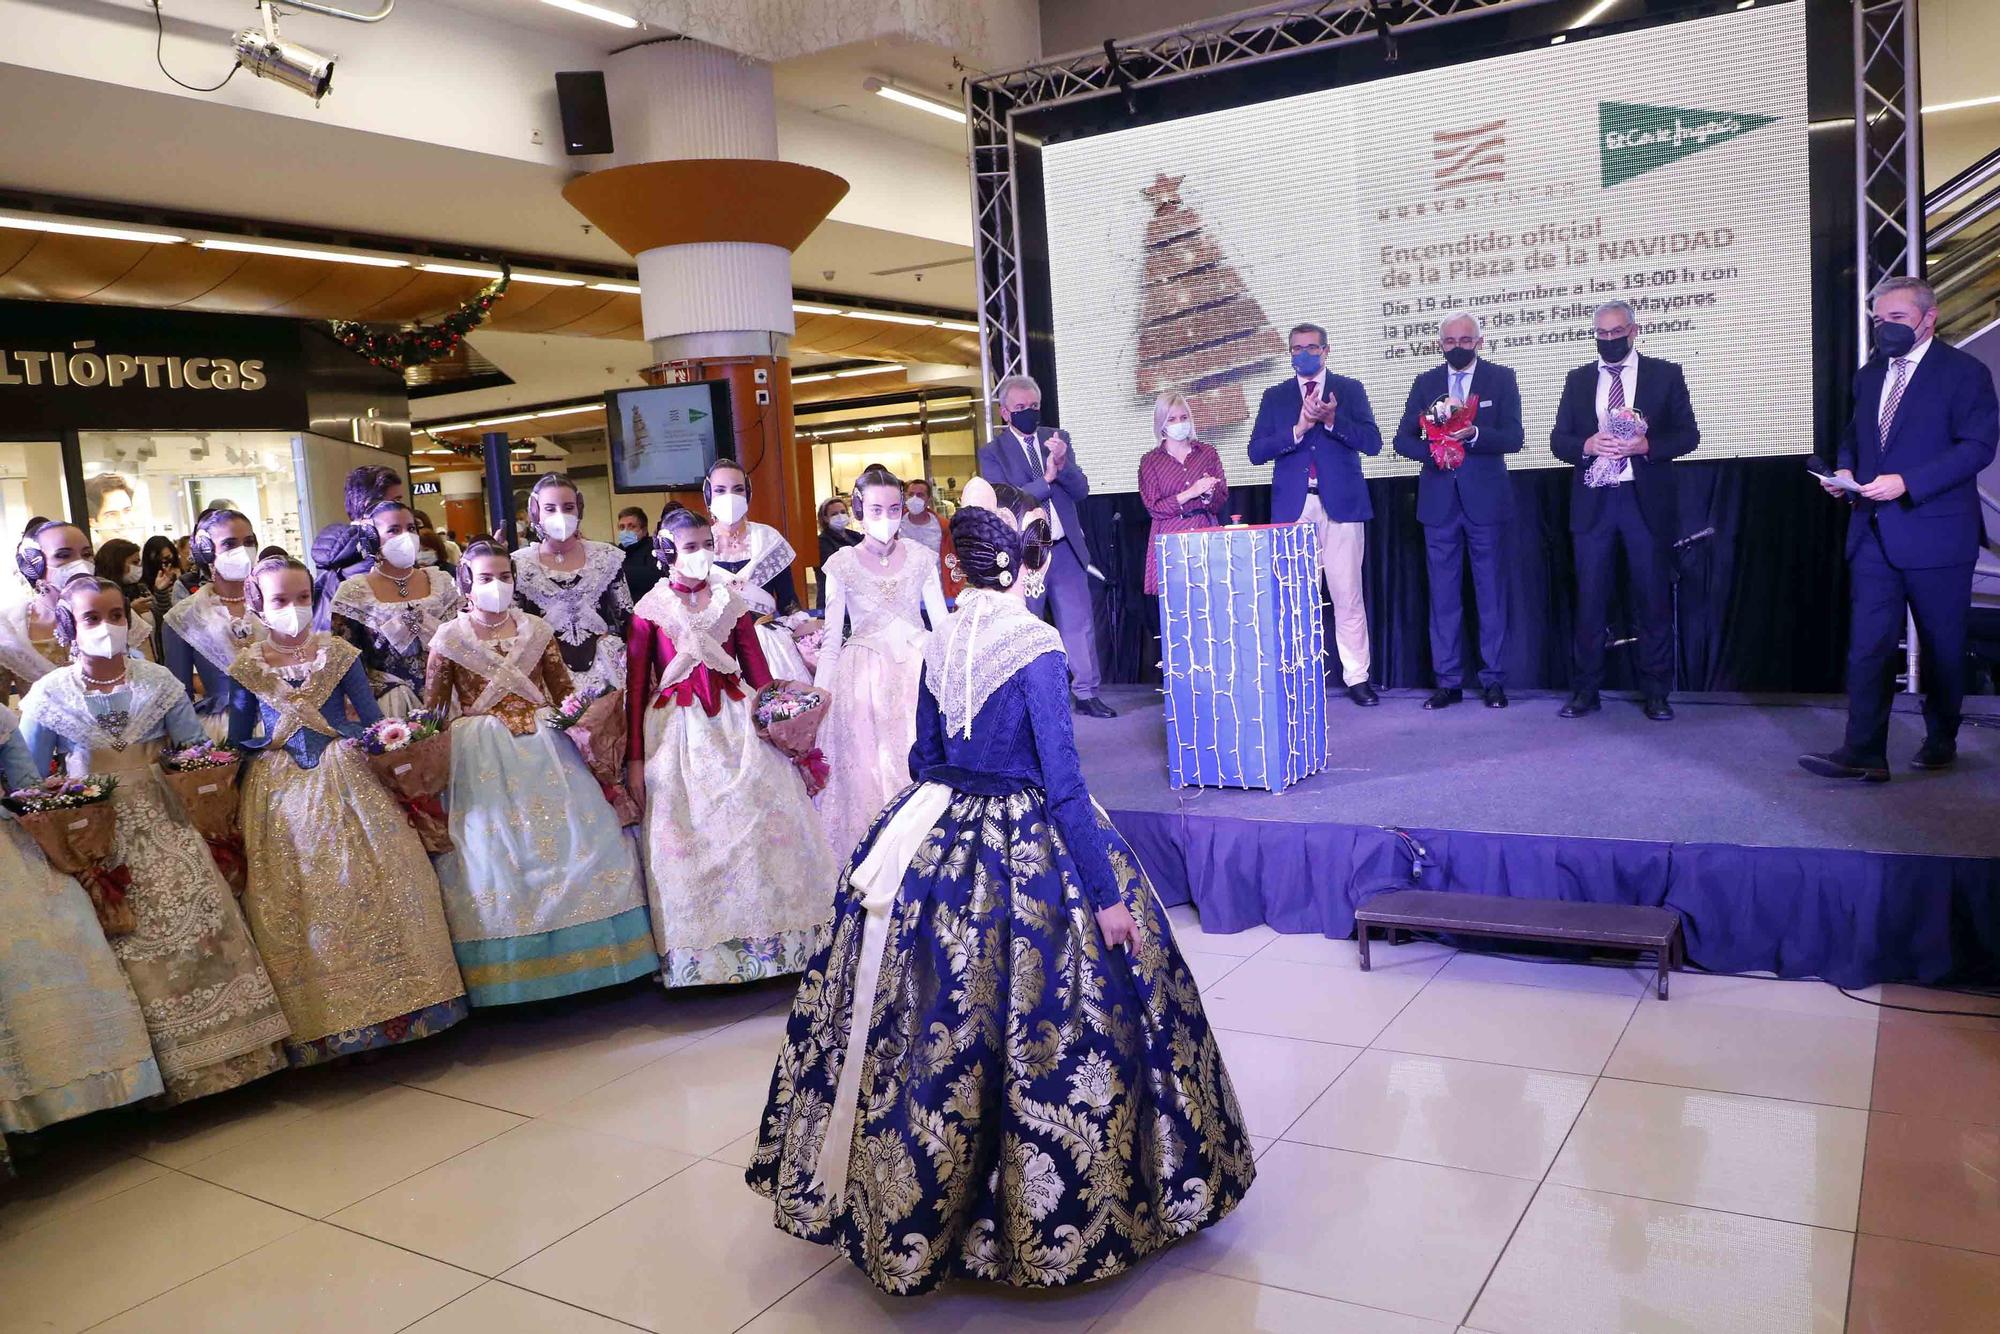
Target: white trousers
1340, 549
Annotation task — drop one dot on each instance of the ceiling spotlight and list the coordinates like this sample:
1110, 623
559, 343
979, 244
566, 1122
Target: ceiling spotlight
883, 88
268, 56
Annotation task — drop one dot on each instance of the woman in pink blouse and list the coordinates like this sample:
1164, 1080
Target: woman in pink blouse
1180, 479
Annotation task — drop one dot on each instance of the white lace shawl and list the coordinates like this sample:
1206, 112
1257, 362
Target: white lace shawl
983, 644
697, 632
58, 702
405, 625
571, 608
18, 653
505, 671
211, 629
769, 553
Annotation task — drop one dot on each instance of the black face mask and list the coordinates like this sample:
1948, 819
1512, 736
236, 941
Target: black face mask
1458, 358
1025, 420
1894, 340
1611, 351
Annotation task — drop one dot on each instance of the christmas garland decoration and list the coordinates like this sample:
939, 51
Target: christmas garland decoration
399, 349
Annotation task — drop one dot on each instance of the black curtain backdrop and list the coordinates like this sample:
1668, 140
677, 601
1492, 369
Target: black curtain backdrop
1762, 602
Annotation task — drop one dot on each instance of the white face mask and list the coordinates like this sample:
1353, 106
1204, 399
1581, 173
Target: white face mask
134, 572
729, 507
1179, 431
401, 550
883, 530
69, 570
234, 564
693, 565
916, 504
838, 522
289, 621
102, 641
557, 527
495, 596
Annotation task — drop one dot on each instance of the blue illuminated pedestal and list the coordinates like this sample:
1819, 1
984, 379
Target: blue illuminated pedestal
1243, 651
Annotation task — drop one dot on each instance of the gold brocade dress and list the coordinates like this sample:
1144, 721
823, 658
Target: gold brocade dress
340, 895
205, 995
542, 886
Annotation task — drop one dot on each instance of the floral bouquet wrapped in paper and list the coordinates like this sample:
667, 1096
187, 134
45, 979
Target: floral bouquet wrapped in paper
412, 758
595, 720
787, 714
1440, 423
808, 633
74, 821
202, 778
1623, 425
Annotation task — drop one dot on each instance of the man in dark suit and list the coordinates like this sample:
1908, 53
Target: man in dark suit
1924, 424
1315, 426
1038, 460
1465, 508
1624, 496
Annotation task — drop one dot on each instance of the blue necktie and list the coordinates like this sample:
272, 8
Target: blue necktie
1458, 385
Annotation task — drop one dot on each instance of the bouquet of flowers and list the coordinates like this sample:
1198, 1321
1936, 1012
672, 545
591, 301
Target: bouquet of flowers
202, 778
1440, 422
787, 714
595, 720
1623, 425
412, 758
73, 821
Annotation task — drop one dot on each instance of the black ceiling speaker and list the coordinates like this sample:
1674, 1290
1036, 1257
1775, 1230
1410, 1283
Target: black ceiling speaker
586, 115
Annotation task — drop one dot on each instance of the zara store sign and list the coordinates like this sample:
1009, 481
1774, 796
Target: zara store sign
81, 367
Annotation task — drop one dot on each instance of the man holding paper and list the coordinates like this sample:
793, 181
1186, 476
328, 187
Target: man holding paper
1925, 422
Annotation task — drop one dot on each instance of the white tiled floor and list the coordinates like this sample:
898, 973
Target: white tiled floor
1449, 1142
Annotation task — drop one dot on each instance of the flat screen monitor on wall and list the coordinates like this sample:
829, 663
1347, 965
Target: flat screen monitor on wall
665, 438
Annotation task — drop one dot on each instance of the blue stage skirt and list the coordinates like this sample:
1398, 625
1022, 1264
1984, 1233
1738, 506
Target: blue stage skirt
1033, 1109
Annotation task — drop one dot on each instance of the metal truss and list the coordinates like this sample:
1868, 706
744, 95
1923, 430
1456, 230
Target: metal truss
1888, 149
1236, 40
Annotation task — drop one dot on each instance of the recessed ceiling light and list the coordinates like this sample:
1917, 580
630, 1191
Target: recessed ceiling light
630, 288
88, 229
546, 281
867, 370
958, 326
811, 379
802, 308
460, 270
298, 252
597, 12
888, 317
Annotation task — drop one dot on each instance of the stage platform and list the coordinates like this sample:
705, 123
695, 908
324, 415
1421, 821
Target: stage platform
1773, 869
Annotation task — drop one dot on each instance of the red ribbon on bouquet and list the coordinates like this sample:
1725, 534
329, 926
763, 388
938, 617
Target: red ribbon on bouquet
1440, 421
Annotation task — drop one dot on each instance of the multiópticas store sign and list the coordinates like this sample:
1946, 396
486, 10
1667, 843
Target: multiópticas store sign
79, 367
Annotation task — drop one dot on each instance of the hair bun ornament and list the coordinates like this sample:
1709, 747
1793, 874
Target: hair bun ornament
1001, 558
1006, 577
951, 565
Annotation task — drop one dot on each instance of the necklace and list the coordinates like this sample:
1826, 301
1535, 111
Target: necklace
402, 585
104, 682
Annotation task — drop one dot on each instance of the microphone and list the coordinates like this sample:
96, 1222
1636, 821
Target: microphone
1693, 538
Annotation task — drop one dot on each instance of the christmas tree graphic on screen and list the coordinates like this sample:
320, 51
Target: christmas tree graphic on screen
1200, 330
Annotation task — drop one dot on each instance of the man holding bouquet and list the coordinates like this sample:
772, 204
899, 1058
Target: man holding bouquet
1461, 421
1622, 422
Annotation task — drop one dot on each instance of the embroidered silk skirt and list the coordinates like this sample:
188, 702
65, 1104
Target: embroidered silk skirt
866, 738
542, 890
210, 1011
1027, 1107
345, 907
72, 1040
736, 866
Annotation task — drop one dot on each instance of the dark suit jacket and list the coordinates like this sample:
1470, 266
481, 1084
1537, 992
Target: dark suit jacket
1336, 451
1943, 435
1005, 459
1479, 485
1671, 433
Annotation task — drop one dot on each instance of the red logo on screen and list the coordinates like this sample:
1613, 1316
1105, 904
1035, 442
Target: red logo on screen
1471, 156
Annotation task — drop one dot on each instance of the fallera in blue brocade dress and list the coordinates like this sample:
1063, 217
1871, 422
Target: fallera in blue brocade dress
1025, 1105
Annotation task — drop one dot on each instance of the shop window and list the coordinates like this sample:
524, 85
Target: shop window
31, 486
138, 484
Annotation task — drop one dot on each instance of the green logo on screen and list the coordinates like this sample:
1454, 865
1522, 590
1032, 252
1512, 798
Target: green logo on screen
695, 415
1633, 138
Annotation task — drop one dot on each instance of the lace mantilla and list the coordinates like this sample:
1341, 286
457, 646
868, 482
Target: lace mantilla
983, 644
769, 553
18, 653
297, 705
505, 666
211, 629
697, 632
568, 599
404, 626
58, 702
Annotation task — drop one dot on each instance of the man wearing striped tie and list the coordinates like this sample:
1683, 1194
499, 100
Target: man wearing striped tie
1624, 498
1925, 422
